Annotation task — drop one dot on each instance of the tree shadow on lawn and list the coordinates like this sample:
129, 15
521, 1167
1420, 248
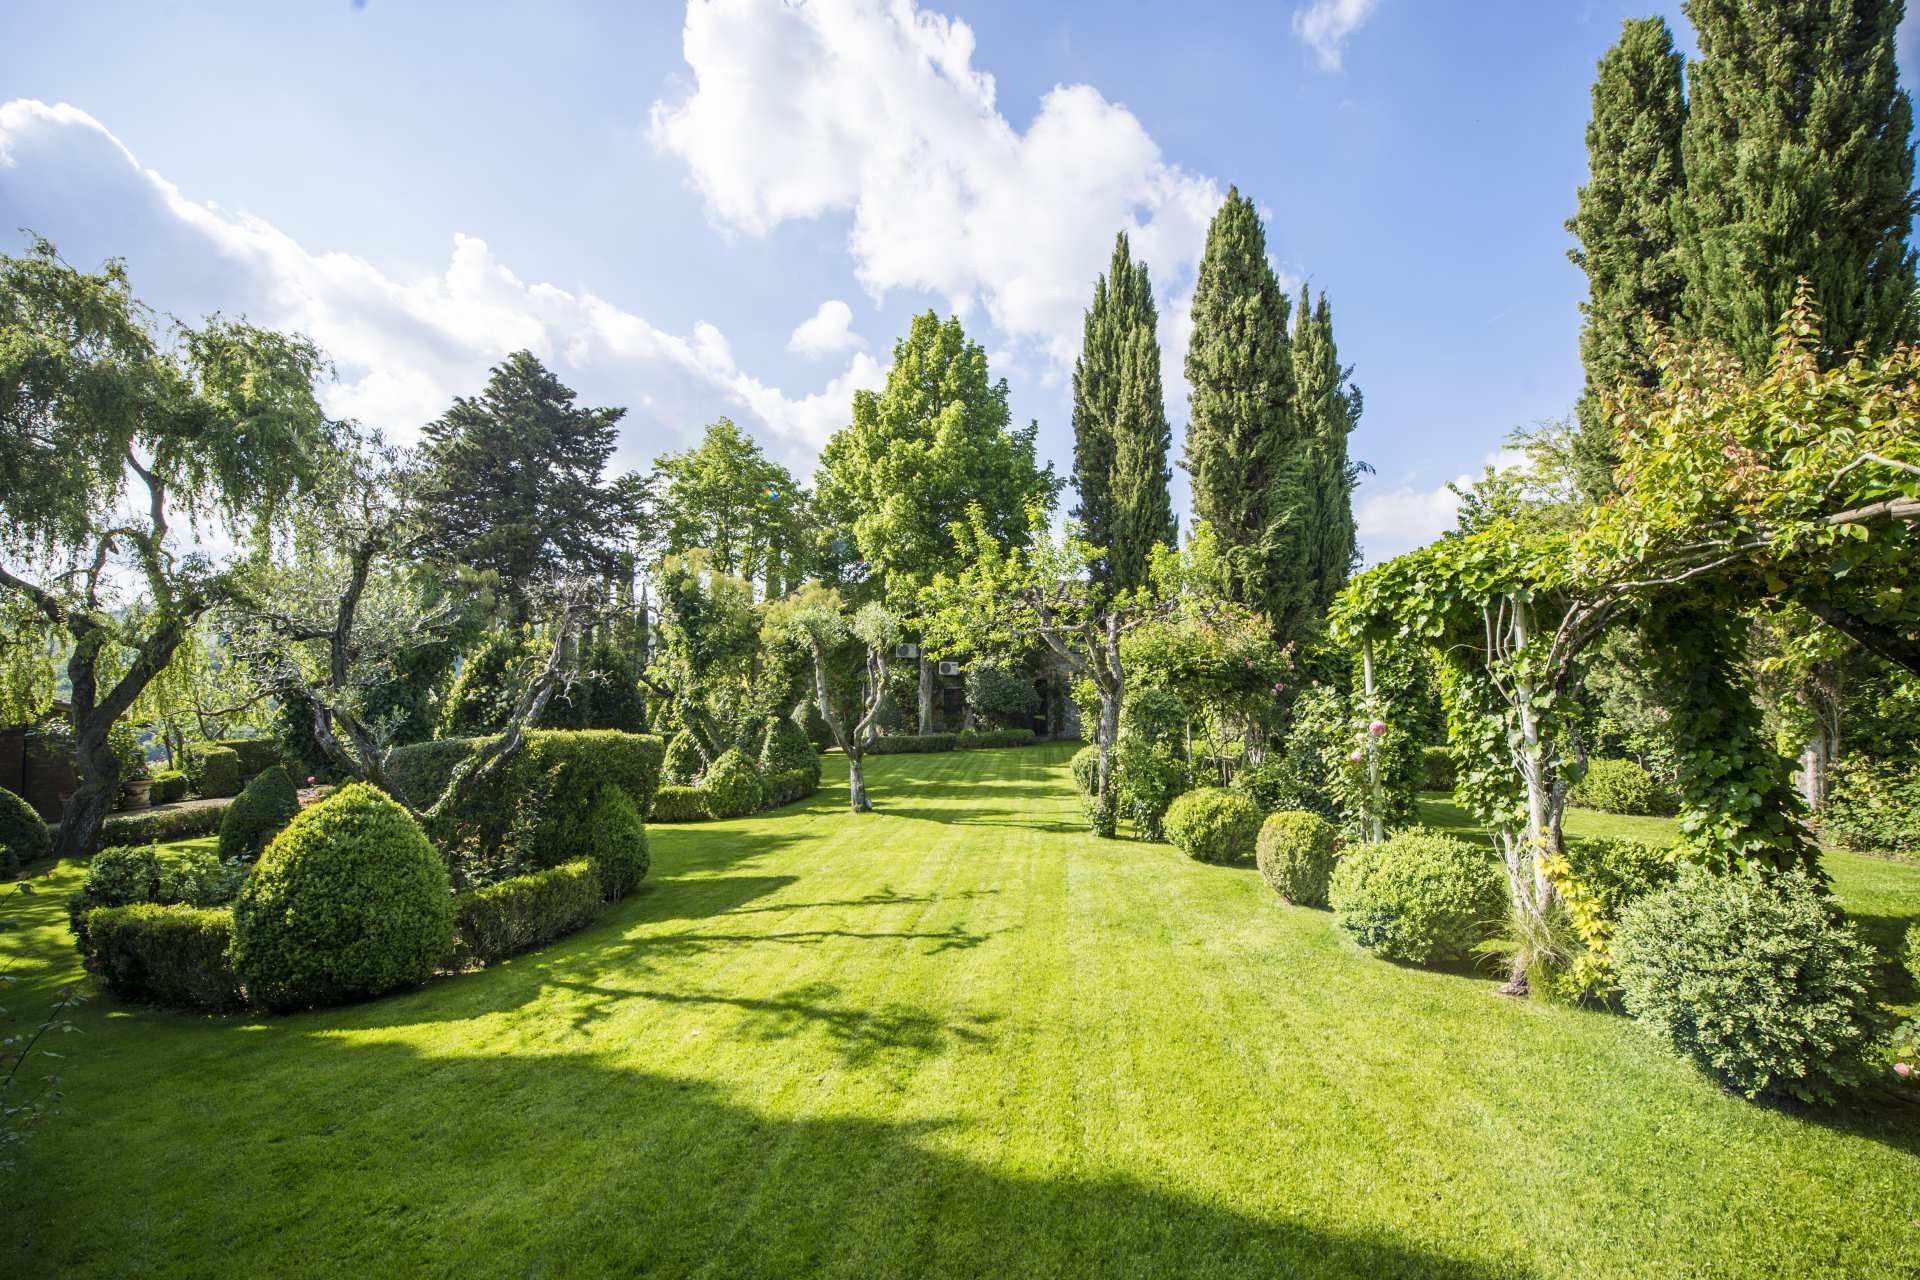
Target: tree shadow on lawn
570, 1164
1888, 937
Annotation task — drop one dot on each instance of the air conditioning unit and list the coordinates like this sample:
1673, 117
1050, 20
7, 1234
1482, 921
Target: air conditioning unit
949, 668
906, 651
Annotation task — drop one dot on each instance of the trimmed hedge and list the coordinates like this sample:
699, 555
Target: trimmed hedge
258, 814
173, 955
979, 739
217, 771
1296, 854
785, 748
117, 876
349, 901
1437, 770
1086, 769
1212, 824
23, 837
158, 826
617, 843
515, 915
680, 804
169, 785
1622, 786
421, 770
733, 785
792, 785
256, 755
1420, 896
907, 744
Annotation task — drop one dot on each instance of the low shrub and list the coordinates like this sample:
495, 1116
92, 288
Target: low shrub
1419, 896
1596, 879
617, 843
197, 878
545, 800
1873, 807
420, 771
159, 826
1274, 787
349, 901
905, 744
683, 762
117, 876
1437, 771
173, 954
500, 920
1150, 778
785, 748
1622, 786
1213, 824
1100, 813
732, 785
792, 785
1760, 982
254, 755
217, 771
981, 739
23, 837
169, 785
1086, 769
1295, 853
680, 804
258, 814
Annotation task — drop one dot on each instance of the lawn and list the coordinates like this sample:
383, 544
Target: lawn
957, 1038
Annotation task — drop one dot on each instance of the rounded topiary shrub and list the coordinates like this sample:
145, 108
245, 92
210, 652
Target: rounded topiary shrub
349, 901
218, 771
617, 843
266, 805
1213, 824
1296, 853
23, 837
683, 761
785, 748
1419, 896
1760, 982
732, 785
1622, 786
1086, 769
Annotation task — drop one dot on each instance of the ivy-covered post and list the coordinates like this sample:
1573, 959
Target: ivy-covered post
1376, 819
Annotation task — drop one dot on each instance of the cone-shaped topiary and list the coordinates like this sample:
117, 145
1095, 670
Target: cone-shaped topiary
732, 786
684, 762
785, 748
348, 902
23, 837
266, 805
617, 841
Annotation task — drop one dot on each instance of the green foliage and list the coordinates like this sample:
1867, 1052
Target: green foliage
348, 902
1436, 769
1085, 766
117, 876
604, 695
982, 739
1328, 761
680, 804
169, 785
174, 955
1328, 407
254, 755
151, 826
1212, 824
23, 837
1295, 853
128, 755
420, 771
790, 785
1596, 879
1799, 158
913, 744
219, 771
1621, 786
617, 843
1629, 245
197, 878
1002, 696
733, 785
785, 749
726, 497
1913, 953
1244, 441
543, 810
1277, 784
1874, 807
1758, 981
1150, 777
261, 811
683, 762
483, 694
1120, 432
1420, 897
499, 920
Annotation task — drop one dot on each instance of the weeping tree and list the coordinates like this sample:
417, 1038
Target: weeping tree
117, 426
849, 655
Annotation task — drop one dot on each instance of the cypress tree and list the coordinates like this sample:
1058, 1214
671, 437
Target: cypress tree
1625, 223
1120, 433
1243, 436
1799, 162
1328, 406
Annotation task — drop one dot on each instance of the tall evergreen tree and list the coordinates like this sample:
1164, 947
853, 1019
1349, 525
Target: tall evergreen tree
1120, 432
511, 480
1625, 223
1243, 435
1799, 160
1328, 406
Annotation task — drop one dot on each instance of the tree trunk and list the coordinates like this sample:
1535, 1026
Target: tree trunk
1376, 820
87, 808
926, 693
857, 783
1532, 887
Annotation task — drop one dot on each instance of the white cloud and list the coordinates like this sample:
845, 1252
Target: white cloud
1326, 24
1404, 517
827, 330
402, 348
873, 108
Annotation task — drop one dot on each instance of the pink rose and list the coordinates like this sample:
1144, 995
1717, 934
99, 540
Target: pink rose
1354, 756
1902, 1070
1378, 728
309, 779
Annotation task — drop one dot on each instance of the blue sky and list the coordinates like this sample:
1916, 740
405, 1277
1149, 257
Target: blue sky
734, 207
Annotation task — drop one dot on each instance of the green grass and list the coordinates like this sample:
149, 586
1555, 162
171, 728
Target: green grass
958, 1038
